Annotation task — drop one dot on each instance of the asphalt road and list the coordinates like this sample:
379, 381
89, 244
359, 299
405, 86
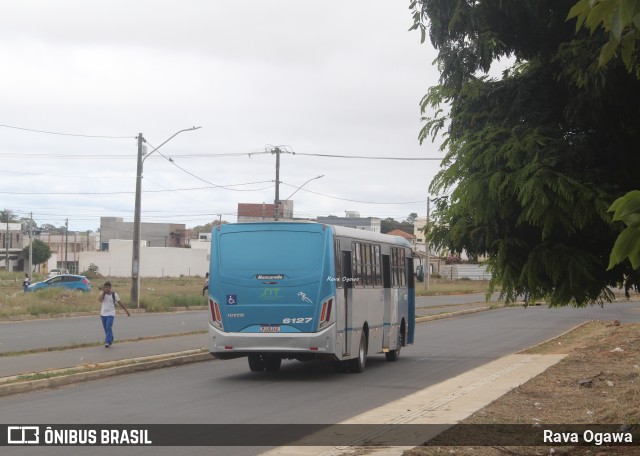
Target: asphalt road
226, 392
58, 332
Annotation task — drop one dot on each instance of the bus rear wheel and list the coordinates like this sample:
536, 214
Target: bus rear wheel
394, 355
256, 362
272, 363
357, 365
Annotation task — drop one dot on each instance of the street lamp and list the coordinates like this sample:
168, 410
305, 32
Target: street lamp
135, 262
296, 190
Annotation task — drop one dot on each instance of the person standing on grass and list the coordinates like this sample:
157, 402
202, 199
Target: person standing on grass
26, 282
109, 299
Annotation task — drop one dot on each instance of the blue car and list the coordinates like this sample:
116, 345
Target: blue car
69, 281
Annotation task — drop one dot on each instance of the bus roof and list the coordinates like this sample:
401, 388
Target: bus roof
338, 231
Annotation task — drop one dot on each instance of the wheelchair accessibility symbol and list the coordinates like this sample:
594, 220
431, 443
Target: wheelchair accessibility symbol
232, 299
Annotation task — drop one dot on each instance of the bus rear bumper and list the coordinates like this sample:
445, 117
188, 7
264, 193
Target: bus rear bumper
232, 345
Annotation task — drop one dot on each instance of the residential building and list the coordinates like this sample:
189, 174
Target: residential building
66, 248
155, 234
355, 221
11, 237
250, 212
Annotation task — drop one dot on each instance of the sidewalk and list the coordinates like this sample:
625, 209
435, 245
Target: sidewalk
31, 371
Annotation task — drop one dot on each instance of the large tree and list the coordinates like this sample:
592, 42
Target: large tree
534, 158
40, 252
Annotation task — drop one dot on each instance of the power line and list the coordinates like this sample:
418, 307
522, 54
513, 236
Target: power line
170, 160
67, 134
354, 201
151, 191
365, 157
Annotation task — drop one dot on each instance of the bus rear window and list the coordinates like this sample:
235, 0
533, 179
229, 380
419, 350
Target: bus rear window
293, 253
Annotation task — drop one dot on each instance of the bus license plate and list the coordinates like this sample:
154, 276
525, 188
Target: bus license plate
270, 328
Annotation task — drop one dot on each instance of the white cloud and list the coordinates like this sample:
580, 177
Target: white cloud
324, 78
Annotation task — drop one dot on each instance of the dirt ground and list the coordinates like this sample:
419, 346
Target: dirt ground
597, 383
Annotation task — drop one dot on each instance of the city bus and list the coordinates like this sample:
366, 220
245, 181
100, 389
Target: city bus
304, 291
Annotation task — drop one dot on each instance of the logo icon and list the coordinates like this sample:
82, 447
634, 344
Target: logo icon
270, 276
304, 297
270, 294
232, 300
23, 435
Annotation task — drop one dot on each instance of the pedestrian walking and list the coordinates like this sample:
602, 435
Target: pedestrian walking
26, 282
109, 298
206, 284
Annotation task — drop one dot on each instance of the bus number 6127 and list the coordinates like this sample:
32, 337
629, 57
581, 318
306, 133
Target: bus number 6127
288, 321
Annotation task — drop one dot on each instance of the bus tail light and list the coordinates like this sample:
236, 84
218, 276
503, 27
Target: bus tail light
216, 317
325, 314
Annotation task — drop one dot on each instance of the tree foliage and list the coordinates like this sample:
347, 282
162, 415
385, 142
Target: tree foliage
7, 215
40, 252
389, 224
620, 19
534, 157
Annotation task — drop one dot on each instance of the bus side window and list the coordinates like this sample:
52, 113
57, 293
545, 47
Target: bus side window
338, 262
357, 265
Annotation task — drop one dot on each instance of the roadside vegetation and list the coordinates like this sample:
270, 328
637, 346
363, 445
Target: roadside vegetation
438, 286
156, 294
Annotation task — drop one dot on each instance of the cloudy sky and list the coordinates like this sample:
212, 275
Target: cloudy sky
316, 78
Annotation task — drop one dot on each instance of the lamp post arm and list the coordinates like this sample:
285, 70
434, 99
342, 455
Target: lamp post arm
170, 138
296, 191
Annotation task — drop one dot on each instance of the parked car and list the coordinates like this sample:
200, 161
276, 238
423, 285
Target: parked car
69, 281
55, 271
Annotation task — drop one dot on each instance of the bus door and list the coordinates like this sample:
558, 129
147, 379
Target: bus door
411, 286
347, 271
386, 284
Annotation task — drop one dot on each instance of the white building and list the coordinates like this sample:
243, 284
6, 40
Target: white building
154, 261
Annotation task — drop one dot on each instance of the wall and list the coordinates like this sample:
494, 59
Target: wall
156, 234
468, 271
154, 261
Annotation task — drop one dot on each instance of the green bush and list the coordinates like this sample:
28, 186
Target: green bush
164, 303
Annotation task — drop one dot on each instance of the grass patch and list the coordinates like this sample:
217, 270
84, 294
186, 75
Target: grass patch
165, 303
156, 295
439, 287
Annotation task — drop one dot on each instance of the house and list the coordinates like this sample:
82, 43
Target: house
11, 237
251, 212
353, 220
155, 234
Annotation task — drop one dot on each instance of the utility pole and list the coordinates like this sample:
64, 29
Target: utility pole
66, 244
135, 260
426, 246
30, 244
276, 204
135, 263
6, 243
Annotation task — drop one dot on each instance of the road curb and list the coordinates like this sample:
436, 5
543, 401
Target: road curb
451, 314
103, 370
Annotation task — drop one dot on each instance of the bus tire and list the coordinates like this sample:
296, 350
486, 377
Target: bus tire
340, 366
272, 363
394, 355
256, 362
358, 364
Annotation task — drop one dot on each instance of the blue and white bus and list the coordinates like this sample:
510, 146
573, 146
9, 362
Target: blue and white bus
301, 290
